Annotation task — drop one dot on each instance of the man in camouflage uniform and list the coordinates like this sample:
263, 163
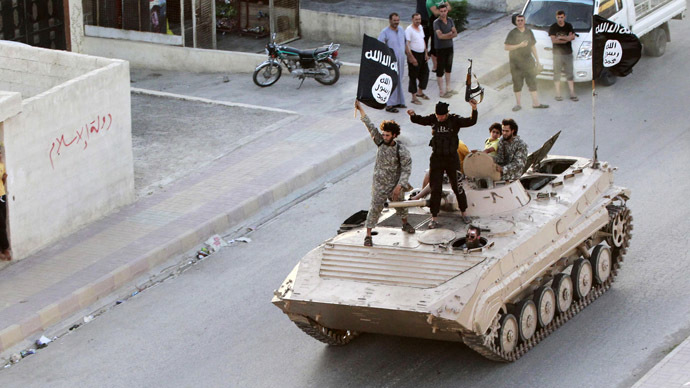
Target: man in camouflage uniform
391, 172
511, 155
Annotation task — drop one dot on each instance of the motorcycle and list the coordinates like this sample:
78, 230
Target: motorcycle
320, 63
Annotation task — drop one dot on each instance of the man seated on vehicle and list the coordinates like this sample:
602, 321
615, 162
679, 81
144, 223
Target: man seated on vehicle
511, 155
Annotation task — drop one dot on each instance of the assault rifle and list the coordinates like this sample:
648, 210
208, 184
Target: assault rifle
471, 92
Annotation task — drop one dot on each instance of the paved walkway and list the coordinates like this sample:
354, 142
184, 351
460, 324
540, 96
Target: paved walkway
672, 372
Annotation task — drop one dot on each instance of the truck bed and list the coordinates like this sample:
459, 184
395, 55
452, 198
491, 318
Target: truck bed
650, 14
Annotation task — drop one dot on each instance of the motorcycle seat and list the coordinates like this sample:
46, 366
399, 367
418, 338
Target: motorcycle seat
308, 53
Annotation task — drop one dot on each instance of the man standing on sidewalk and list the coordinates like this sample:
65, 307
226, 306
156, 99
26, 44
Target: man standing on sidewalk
417, 58
391, 172
444, 156
444, 32
426, 26
394, 37
520, 44
561, 34
432, 10
5, 254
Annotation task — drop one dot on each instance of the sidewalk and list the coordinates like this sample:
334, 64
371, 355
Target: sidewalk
671, 372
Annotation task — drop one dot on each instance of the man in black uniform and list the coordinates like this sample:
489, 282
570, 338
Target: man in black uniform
444, 156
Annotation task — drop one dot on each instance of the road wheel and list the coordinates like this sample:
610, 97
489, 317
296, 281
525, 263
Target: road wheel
563, 287
619, 228
545, 300
582, 277
508, 333
606, 78
267, 74
333, 72
527, 323
656, 42
601, 263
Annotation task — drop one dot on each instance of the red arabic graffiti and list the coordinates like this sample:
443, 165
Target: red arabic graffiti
81, 135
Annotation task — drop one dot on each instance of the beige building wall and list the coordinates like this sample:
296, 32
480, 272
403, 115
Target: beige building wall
339, 28
68, 142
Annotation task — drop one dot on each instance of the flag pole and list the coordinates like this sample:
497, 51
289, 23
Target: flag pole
595, 163
594, 125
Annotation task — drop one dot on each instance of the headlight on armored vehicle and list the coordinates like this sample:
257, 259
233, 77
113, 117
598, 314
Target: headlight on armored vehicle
585, 51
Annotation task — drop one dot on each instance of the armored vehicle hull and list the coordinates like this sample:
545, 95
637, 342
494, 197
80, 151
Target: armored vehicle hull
551, 243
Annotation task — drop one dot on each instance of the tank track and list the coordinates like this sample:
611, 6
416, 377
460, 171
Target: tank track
328, 336
493, 352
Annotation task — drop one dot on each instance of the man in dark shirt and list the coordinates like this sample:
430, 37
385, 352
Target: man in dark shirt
444, 32
426, 26
444, 156
561, 34
523, 54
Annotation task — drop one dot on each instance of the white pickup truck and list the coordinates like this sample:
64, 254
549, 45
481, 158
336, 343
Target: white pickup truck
648, 19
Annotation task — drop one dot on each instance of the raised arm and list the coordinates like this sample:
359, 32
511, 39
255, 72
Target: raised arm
421, 120
373, 132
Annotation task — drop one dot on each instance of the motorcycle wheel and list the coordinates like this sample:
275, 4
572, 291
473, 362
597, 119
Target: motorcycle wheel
333, 72
267, 74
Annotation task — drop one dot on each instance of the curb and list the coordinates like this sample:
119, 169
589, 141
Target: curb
155, 93
658, 378
104, 286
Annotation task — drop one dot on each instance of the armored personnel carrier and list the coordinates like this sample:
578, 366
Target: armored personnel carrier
551, 243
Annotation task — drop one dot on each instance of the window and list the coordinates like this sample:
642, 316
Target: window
607, 8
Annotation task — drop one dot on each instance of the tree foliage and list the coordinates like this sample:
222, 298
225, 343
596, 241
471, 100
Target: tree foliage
459, 10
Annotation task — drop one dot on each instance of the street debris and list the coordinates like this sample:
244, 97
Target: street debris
202, 254
241, 239
42, 342
215, 243
88, 318
27, 352
15, 358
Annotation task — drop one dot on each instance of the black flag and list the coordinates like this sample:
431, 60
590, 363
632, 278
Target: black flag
378, 73
616, 48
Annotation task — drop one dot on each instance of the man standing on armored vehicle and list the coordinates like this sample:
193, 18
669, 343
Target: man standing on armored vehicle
444, 156
391, 172
511, 155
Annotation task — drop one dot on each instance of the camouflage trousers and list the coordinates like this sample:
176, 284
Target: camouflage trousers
380, 192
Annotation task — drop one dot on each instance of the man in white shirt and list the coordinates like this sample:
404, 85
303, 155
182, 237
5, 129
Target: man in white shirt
417, 58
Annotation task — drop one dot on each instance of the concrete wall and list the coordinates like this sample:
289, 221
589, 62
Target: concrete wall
23, 70
164, 57
497, 5
339, 28
69, 149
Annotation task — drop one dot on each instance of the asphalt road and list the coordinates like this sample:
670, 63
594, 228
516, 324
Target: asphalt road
215, 326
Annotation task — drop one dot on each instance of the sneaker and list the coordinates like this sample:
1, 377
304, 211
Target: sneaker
368, 241
433, 224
